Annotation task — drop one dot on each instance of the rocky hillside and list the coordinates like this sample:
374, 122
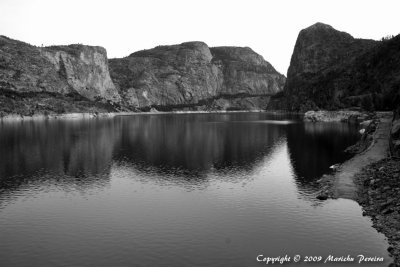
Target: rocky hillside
85, 70
330, 69
54, 79
193, 76
56, 69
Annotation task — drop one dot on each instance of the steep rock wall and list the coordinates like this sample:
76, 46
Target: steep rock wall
332, 70
166, 75
57, 69
193, 75
85, 68
322, 72
246, 72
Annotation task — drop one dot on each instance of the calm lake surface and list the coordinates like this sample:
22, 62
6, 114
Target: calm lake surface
175, 190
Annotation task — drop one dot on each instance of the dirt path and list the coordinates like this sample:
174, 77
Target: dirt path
344, 186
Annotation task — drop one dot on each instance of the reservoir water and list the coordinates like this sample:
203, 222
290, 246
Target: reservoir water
175, 190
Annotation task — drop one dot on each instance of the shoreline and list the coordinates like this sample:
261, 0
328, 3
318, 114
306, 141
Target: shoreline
93, 115
337, 116
310, 116
378, 194
64, 116
344, 184
372, 179
341, 183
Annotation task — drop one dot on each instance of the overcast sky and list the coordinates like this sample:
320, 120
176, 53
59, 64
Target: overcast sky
269, 27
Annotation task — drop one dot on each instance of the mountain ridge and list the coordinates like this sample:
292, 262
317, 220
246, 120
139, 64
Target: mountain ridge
80, 78
329, 69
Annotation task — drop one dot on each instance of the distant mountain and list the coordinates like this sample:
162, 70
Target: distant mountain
330, 69
193, 76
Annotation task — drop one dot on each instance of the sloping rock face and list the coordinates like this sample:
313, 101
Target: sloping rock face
193, 76
73, 69
330, 69
246, 72
166, 75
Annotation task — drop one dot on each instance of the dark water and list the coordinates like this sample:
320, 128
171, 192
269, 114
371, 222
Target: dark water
174, 190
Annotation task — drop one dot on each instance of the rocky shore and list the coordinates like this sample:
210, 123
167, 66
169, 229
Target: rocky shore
379, 190
378, 194
372, 146
337, 116
372, 177
91, 115
86, 115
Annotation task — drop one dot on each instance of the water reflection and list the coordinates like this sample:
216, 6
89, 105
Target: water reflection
72, 151
195, 144
313, 147
181, 148
181, 190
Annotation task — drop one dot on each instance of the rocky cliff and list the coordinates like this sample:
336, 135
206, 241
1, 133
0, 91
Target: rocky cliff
56, 69
330, 69
76, 78
193, 76
54, 79
85, 70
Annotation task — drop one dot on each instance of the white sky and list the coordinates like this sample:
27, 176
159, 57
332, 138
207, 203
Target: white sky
269, 27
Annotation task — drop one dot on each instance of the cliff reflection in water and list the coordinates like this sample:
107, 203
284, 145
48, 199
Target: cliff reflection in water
194, 144
82, 153
75, 152
314, 147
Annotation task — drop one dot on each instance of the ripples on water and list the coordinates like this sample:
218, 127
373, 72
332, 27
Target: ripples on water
174, 190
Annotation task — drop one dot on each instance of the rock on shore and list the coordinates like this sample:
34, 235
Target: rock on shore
379, 192
339, 116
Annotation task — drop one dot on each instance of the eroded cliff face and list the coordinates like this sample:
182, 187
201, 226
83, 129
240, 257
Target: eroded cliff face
192, 75
85, 69
30, 75
246, 72
166, 75
324, 70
